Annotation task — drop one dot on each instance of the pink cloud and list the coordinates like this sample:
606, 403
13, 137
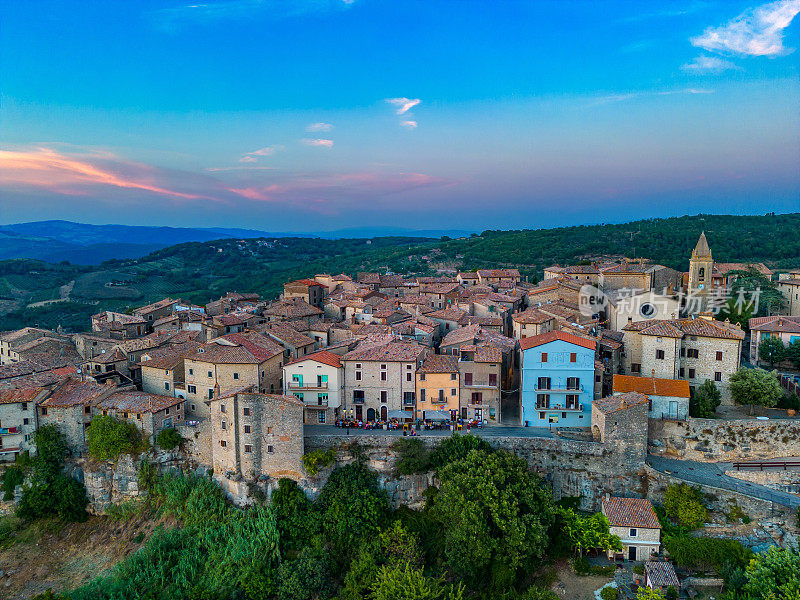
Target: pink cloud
318, 143
403, 104
409, 124
46, 168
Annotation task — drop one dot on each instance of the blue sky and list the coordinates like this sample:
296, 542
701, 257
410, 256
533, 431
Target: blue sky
321, 114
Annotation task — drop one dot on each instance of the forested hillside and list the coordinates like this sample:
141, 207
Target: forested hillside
34, 292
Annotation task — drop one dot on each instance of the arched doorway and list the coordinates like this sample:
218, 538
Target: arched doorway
383, 413
370, 414
596, 435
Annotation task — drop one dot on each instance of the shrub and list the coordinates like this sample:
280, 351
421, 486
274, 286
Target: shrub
609, 593
316, 459
457, 447
414, 456
168, 439
684, 505
12, 477
110, 438
703, 553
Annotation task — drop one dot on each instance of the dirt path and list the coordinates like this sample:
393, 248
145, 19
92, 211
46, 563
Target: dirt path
577, 587
63, 296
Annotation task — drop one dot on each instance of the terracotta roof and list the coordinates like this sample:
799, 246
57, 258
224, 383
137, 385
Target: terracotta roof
625, 401
13, 396
680, 327
154, 306
441, 288
320, 356
241, 348
725, 268
138, 402
439, 363
293, 308
447, 314
626, 267
467, 320
288, 335
468, 275
394, 351
630, 512
31, 378
105, 358
74, 392
306, 282
484, 353
675, 388
551, 336
531, 315
776, 324
153, 340
498, 272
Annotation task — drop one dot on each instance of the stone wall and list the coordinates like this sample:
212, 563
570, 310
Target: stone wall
785, 481
723, 441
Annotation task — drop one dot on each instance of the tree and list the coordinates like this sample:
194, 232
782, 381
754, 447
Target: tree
457, 447
306, 577
495, 517
297, 520
684, 505
646, 593
587, 532
406, 582
168, 439
414, 456
705, 400
110, 438
400, 546
755, 386
771, 349
775, 574
792, 353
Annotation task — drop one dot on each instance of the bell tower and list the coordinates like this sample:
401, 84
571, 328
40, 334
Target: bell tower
701, 267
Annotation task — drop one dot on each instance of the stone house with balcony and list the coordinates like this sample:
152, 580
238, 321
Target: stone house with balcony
667, 398
317, 380
381, 378
232, 362
256, 436
696, 350
783, 328
438, 386
482, 379
558, 379
18, 420
635, 522
150, 413
69, 406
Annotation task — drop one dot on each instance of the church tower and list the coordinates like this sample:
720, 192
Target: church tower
701, 267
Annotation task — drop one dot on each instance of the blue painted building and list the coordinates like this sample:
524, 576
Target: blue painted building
558, 376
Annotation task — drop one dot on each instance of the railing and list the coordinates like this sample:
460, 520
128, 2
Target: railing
319, 385
409, 402
567, 390
761, 465
577, 408
313, 403
476, 384
358, 400
9, 430
7, 450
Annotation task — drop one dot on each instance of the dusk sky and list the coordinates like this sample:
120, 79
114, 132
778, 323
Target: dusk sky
304, 115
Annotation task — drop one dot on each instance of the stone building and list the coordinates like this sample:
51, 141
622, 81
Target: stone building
620, 422
692, 349
530, 322
635, 522
317, 380
292, 309
309, 290
783, 328
156, 310
626, 306
381, 378
668, 398
296, 343
70, 407
18, 420
150, 413
231, 362
11, 341
789, 285
438, 386
255, 435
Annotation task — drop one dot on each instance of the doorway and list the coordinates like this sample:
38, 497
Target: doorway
631, 552
370, 414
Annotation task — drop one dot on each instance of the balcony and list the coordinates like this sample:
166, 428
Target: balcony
10, 430
319, 385
558, 407
409, 402
318, 404
358, 400
482, 385
560, 389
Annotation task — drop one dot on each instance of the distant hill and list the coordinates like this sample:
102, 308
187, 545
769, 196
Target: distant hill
82, 243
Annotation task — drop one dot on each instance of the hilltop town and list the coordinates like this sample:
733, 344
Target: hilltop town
618, 380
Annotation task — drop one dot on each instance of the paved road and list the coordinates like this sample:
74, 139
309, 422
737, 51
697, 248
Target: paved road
488, 431
713, 474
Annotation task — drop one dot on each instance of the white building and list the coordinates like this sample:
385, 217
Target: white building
318, 380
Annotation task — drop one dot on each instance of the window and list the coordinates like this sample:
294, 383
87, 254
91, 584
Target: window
247, 428
633, 532
358, 365
358, 375
492, 378
409, 376
719, 354
543, 383
210, 374
573, 357
422, 376
166, 385
467, 378
453, 376
681, 372
384, 396
683, 351
44, 411
358, 396
87, 410
223, 443
24, 406
542, 400
383, 367
236, 376
166, 412
717, 376
322, 399
660, 354
422, 395
224, 425
25, 421
383, 375
321, 417
572, 401
191, 371
248, 448
192, 390
453, 391
573, 383
692, 353
222, 408
541, 415
246, 411
544, 356
691, 373
636, 368
270, 449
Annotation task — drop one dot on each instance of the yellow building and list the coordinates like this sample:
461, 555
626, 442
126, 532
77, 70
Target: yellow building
437, 386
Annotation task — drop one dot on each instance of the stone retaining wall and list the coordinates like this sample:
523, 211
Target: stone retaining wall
715, 440
786, 481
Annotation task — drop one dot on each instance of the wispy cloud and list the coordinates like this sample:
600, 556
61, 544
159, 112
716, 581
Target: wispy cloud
708, 64
253, 156
319, 127
213, 11
320, 143
81, 173
403, 104
755, 32
646, 94
409, 124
